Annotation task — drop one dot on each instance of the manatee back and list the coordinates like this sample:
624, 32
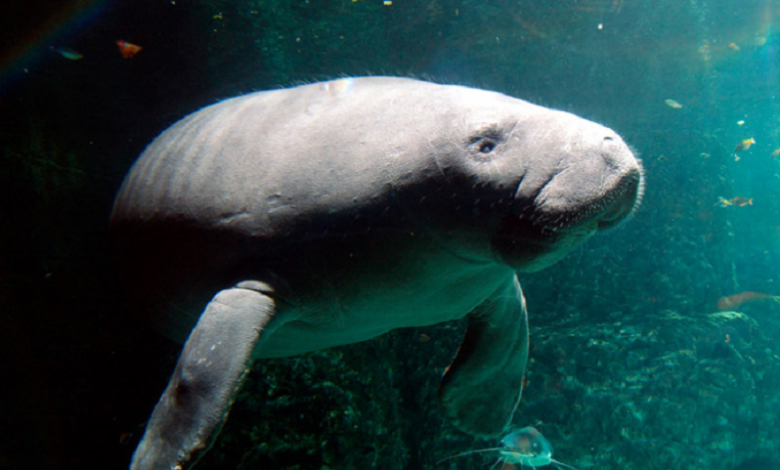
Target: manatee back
251, 160
236, 186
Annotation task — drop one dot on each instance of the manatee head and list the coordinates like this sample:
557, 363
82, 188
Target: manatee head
576, 177
548, 179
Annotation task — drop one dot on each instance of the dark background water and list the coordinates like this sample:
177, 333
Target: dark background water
81, 376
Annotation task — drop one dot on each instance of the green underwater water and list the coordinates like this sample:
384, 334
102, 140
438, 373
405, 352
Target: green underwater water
632, 363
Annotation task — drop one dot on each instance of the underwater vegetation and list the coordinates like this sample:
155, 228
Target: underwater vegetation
656, 389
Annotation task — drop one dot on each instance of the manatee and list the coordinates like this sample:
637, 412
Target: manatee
292, 220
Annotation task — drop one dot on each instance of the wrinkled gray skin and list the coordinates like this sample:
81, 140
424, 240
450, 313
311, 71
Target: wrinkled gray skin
292, 220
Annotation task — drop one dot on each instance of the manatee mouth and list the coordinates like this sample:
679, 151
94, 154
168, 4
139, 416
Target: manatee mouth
622, 202
538, 236
604, 211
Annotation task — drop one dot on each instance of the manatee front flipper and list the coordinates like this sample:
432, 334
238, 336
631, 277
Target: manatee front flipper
481, 388
212, 365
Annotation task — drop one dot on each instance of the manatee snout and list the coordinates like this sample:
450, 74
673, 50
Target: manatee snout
595, 183
622, 186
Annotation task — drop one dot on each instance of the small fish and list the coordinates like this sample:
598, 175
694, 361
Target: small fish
745, 144
740, 123
673, 104
526, 447
737, 202
68, 53
423, 338
733, 46
775, 153
737, 300
127, 49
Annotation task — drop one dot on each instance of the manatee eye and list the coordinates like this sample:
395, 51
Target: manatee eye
486, 146
484, 141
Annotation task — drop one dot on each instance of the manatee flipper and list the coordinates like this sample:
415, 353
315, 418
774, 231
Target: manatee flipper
481, 388
210, 370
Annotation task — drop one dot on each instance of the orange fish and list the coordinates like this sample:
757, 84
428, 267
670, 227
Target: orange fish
733, 46
775, 153
745, 144
737, 300
735, 201
127, 49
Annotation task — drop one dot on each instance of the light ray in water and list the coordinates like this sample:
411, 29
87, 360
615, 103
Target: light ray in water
525, 447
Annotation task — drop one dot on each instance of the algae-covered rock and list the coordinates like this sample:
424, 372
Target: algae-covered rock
369, 405
667, 390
